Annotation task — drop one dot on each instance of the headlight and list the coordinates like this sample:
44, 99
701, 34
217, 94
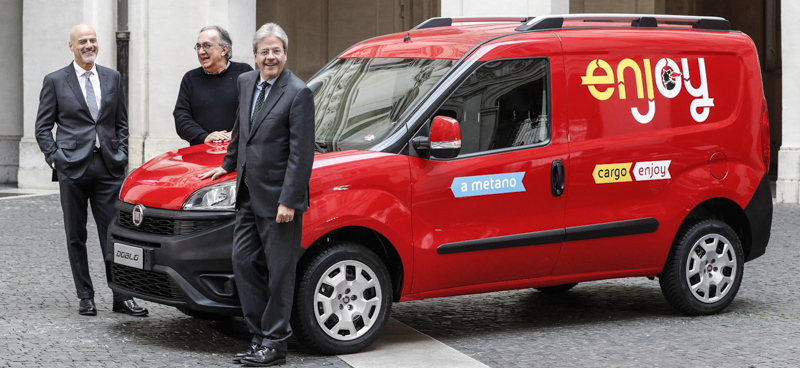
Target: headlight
220, 196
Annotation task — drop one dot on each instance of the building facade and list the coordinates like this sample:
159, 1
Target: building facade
162, 35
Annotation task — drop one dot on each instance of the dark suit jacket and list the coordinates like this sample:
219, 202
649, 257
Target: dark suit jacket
61, 102
278, 153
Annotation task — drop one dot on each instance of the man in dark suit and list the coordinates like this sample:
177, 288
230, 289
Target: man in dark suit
86, 104
272, 148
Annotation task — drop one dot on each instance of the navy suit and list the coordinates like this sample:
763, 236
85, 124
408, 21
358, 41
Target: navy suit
85, 173
276, 156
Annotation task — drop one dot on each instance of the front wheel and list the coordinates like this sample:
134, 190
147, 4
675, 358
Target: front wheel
704, 268
342, 300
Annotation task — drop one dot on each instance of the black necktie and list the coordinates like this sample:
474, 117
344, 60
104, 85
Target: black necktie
259, 102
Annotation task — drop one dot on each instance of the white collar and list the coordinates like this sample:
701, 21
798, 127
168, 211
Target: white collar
80, 71
261, 80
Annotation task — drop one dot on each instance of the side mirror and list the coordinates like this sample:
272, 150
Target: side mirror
445, 137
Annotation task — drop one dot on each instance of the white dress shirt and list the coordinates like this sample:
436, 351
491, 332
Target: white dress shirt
95, 79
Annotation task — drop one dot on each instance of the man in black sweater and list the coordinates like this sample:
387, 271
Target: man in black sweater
208, 99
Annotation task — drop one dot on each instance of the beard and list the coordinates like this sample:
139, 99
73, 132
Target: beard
89, 58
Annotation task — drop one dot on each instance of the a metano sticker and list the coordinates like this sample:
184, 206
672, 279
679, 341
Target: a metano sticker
601, 81
612, 173
651, 170
470, 186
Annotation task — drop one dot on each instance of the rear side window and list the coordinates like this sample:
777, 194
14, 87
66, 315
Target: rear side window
502, 104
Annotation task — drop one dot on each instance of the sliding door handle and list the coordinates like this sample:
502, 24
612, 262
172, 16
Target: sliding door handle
557, 178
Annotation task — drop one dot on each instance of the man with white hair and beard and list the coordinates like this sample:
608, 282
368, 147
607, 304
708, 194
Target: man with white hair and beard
86, 103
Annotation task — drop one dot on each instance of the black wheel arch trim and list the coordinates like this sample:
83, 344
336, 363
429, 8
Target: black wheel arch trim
759, 214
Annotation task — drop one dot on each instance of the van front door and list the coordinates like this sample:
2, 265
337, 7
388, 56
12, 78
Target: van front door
490, 215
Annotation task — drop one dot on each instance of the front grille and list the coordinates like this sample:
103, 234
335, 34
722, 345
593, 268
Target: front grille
151, 224
145, 282
165, 226
190, 226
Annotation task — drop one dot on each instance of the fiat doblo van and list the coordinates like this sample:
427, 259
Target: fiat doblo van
495, 154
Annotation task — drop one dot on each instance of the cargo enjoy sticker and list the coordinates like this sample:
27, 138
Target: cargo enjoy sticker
612, 173
651, 170
669, 80
622, 172
470, 186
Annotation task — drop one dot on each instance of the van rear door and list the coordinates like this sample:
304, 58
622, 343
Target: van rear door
648, 111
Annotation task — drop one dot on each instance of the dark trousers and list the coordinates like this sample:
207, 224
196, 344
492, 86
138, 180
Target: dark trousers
265, 255
100, 189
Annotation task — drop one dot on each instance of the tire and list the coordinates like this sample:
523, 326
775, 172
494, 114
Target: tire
202, 315
704, 268
557, 289
343, 299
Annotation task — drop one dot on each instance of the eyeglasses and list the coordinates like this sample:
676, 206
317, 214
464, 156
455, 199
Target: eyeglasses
206, 46
265, 53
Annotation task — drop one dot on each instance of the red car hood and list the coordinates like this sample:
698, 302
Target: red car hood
169, 179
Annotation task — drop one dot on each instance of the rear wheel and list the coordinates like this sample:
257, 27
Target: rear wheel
704, 268
342, 300
557, 289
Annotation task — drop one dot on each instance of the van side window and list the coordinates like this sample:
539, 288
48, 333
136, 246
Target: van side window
502, 104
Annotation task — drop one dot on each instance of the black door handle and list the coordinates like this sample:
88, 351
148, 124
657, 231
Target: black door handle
557, 178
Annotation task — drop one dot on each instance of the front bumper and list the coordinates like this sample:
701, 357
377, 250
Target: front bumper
186, 258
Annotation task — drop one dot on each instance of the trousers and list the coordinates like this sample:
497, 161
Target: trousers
265, 255
100, 189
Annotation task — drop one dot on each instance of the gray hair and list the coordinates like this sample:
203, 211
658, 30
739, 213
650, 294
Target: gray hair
270, 30
224, 39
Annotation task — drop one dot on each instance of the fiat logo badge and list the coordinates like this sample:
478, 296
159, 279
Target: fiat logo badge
138, 215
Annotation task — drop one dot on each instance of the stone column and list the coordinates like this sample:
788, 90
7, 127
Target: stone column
45, 36
162, 36
788, 184
11, 93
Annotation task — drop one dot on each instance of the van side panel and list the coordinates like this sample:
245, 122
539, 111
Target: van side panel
658, 123
362, 189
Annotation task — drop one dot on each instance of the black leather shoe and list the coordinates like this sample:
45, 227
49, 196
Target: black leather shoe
250, 351
129, 307
265, 357
87, 308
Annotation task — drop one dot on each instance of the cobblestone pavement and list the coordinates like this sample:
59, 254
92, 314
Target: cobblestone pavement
620, 323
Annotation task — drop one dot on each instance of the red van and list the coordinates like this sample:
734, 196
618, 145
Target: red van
513, 153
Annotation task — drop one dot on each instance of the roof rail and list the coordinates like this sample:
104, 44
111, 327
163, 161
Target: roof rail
448, 21
637, 20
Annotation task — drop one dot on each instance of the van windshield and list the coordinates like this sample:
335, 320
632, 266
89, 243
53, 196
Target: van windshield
358, 102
